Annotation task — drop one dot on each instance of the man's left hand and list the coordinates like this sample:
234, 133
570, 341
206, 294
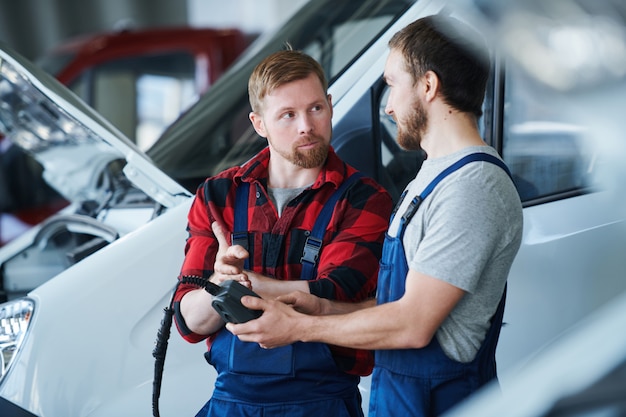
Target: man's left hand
277, 326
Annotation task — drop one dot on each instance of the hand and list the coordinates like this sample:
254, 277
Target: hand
277, 326
304, 302
229, 261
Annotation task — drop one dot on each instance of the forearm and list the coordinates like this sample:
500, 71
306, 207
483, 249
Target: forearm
375, 327
199, 315
341, 307
410, 322
271, 288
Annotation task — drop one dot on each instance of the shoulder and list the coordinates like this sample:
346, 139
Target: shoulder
218, 186
365, 185
366, 197
337, 171
476, 175
475, 188
481, 197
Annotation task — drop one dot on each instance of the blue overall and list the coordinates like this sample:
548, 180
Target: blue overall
425, 382
297, 380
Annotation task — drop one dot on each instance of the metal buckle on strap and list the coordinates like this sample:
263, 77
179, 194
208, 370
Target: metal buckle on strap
311, 250
240, 238
411, 209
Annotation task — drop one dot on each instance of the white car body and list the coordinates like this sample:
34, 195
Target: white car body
87, 348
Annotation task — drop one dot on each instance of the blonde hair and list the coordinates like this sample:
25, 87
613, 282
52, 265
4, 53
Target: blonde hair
278, 69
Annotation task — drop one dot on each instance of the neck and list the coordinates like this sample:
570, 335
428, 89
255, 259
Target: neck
288, 175
449, 132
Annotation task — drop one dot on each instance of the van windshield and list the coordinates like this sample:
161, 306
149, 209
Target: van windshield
216, 134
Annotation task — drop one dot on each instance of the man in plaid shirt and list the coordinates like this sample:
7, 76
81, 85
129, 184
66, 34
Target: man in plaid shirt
289, 183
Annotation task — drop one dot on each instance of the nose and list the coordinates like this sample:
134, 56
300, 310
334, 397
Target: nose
305, 124
388, 108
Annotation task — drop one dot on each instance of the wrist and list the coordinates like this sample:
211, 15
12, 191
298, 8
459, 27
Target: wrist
305, 328
326, 307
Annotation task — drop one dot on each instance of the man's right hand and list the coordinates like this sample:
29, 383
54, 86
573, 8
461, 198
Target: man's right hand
229, 260
305, 302
313, 305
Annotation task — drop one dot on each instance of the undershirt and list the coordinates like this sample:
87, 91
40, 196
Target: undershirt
282, 196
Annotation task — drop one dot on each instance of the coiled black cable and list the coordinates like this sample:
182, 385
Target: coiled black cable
163, 336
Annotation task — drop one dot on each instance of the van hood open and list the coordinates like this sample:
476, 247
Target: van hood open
79, 150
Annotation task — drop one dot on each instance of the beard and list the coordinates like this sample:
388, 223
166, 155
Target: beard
410, 136
309, 158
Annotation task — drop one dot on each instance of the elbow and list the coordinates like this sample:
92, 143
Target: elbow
203, 325
192, 319
420, 342
416, 340
181, 325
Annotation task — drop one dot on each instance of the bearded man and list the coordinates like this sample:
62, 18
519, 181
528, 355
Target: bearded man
270, 207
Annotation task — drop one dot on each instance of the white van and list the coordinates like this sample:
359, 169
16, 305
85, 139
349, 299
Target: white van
85, 291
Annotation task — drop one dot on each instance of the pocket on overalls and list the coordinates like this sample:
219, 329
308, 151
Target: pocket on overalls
250, 359
385, 292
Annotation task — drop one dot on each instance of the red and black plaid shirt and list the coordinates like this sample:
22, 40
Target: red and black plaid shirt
347, 269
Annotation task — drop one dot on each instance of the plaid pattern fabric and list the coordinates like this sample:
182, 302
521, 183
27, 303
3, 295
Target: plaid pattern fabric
348, 262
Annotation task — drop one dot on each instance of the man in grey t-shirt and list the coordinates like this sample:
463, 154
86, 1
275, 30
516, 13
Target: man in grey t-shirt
441, 286
466, 233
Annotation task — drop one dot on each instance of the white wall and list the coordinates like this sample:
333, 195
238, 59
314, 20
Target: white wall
248, 15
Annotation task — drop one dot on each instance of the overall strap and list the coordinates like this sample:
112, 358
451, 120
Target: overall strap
240, 229
313, 244
478, 156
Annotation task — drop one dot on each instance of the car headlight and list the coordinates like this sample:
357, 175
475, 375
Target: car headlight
15, 317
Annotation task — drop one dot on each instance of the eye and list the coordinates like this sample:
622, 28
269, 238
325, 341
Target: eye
288, 115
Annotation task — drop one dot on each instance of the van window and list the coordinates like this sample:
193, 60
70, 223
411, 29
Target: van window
339, 46
142, 95
545, 152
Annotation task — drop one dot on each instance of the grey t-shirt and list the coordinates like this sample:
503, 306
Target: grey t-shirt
467, 233
282, 196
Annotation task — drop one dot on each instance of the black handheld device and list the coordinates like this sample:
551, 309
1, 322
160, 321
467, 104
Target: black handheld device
227, 301
226, 298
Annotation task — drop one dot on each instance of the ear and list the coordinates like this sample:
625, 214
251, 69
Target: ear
257, 123
430, 82
330, 104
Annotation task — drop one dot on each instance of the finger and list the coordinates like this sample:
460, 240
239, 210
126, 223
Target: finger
229, 267
290, 299
246, 332
236, 252
242, 330
243, 280
254, 303
219, 278
220, 234
246, 283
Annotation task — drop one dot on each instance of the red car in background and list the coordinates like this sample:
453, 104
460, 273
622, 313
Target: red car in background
140, 80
